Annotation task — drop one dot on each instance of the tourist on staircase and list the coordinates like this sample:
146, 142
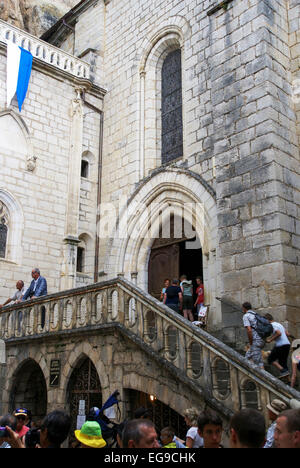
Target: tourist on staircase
187, 297
280, 353
173, 296
256, 343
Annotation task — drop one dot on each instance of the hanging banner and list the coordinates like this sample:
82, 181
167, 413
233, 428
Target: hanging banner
19, 66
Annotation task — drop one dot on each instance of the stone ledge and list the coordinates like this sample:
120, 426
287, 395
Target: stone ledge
218, 7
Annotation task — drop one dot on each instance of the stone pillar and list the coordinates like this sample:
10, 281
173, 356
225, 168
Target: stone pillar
256, 154
68, 273
293, 179
2, 372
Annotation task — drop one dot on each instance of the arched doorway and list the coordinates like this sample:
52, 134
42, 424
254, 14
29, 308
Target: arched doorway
187, 195
161, 414
30, 390
171, 256
84, 385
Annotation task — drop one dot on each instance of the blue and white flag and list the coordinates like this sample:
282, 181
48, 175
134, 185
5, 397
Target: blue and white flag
19, 65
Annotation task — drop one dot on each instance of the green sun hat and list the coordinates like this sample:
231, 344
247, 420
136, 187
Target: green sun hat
90, 435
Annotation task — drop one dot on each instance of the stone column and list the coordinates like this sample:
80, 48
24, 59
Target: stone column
68, 273
2, 372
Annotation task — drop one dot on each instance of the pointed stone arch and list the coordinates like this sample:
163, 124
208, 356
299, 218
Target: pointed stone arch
15, 226
172, 34
188, 195
81, 352
16, 137
28, 387
174, 25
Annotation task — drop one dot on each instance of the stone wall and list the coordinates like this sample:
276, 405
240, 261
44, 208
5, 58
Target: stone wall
240, 129
37, 151
239, 126
120, 364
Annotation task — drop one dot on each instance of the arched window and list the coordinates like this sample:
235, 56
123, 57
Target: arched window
11, 227
87, 163
3, 230
171, 107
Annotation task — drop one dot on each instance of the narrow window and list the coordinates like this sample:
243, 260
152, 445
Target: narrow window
80, 259
84, 169
171, 113
3, 237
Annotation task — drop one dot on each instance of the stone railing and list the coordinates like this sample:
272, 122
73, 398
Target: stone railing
223, 377
43, 51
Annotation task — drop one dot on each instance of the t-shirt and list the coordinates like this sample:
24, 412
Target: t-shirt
282, 339
18, 294
193, 434
23, 431
249, 320
200, 294
187, 288
172, 295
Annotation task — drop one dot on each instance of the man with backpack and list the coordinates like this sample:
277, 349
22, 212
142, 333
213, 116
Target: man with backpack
258, 329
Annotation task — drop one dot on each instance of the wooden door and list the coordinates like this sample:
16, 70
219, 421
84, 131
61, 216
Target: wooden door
163, 263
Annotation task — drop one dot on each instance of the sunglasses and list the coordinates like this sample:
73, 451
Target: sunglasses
21, 418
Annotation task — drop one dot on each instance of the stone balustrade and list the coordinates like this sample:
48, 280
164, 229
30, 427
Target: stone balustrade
224, 377
43, 51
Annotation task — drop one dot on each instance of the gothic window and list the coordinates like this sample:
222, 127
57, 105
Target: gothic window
3, 230
171, 113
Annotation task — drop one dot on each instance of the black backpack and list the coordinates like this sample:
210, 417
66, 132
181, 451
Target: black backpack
263, 326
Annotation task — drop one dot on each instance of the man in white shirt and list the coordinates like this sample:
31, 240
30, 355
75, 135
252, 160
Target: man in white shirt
17, 297
280, 352
256, 343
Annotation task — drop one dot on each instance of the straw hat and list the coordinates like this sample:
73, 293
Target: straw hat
90, 435
295, 344
277, 406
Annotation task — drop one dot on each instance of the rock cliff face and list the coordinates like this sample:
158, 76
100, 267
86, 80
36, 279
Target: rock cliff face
35, 16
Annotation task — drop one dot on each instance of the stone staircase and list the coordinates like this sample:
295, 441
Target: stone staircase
221, 376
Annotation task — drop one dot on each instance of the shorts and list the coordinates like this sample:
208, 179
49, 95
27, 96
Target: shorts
280, 354
255, 354
187, 303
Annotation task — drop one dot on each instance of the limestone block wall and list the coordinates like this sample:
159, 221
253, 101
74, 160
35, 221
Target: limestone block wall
88, 190
35, 150
257, 158
239, 128
87, 40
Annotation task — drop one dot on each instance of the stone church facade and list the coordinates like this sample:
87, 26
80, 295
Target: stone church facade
162, 111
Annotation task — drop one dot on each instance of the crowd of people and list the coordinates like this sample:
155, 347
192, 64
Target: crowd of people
179, 295
37, 288
247, 429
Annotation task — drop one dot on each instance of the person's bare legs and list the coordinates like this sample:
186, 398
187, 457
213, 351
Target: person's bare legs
187, 313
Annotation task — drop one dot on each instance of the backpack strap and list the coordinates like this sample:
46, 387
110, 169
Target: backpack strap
255, 314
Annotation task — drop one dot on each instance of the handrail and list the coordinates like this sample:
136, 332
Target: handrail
223, 374
45, 52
